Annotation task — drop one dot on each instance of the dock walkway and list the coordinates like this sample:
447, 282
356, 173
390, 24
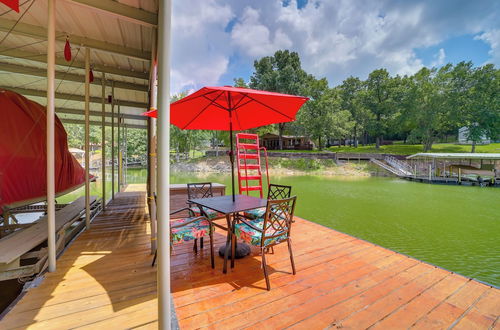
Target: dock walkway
105, 279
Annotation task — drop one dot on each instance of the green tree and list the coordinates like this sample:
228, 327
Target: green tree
425, 103
280, 73
351, 99
379, 100
476, 93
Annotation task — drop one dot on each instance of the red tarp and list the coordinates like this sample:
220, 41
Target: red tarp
23, 157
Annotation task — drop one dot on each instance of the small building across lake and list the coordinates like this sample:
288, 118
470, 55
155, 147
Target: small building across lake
272, 142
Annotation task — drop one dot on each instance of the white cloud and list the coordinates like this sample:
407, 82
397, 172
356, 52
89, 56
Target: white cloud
254, 38
493, 39
335, 39
438, 58
200, 51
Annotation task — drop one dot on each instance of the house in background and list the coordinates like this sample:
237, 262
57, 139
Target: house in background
272, 142
463, 132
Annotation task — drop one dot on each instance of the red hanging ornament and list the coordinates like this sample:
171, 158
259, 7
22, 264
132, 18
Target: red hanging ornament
91, 76
67, 50
13, 4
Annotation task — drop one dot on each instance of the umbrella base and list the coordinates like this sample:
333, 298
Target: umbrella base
242, 250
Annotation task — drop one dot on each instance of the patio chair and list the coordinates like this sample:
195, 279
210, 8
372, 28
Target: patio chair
267, 232
201, 190
275, 191
191, 228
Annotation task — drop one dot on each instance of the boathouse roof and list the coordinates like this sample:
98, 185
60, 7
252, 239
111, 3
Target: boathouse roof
477, 156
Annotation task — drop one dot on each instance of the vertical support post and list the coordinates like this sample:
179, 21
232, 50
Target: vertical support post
430, 173
87, 137
152, 143
164, 303
459, 175
119, 151
103, 140
51, 199
112, 140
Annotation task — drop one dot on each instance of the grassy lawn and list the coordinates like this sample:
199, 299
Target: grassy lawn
408, 149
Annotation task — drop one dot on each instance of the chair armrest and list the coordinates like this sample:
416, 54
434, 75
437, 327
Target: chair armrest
191, 220
191, 212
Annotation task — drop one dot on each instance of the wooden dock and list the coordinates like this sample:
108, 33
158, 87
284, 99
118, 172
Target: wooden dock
105, 279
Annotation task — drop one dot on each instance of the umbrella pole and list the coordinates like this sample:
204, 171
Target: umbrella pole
231, 155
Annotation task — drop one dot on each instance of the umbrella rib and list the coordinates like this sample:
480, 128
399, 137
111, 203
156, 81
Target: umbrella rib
215, 103
271, 108
185, 99
202, 110
242, 105
236, 106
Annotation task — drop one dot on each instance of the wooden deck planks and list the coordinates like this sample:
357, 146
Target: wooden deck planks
105, 280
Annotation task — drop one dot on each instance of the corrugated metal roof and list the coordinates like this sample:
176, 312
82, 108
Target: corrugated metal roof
477, 156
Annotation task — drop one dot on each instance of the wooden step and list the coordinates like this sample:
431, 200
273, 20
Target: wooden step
248, 146
248, 156
250, 177
250, 167
251, 188
247, 136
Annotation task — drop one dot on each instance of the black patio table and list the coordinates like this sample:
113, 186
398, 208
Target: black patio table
225, 205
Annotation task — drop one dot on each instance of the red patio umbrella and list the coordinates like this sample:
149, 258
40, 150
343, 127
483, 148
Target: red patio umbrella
232, 109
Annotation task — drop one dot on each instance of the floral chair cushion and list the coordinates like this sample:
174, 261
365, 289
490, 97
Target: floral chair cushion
256, 213
189, 232
210, 213
252, 236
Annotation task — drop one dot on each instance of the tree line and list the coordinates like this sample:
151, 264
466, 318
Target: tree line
421, 108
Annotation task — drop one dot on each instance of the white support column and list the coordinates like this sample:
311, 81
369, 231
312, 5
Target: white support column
103, 140
152, 143
87, 137
164, 23
112, 141
51, 200
119, 153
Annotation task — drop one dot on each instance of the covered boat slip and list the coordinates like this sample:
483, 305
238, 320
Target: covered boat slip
119, 58
105, 278
23, 253
455, 168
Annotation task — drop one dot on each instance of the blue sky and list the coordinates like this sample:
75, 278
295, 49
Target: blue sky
215, 41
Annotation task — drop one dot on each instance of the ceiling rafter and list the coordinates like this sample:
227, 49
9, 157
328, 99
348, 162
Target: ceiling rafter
39, 32
98, 123
121, 11
42, 58
75, 97
32, 71
99, 113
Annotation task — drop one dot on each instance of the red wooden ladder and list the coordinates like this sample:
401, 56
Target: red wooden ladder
248, 163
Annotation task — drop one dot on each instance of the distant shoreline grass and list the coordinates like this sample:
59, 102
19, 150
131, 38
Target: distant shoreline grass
404, 149
409, 149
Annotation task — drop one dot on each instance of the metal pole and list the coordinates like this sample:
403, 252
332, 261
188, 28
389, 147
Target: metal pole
164, 23
51, 199
112, 140
119, 151
87, 137
152, 144
103, 140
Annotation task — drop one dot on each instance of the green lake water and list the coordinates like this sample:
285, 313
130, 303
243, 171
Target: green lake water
454, 227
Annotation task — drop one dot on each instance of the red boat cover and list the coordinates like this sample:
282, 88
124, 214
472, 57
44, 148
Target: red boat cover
23, 157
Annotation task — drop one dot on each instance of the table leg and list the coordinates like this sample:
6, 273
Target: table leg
241, 249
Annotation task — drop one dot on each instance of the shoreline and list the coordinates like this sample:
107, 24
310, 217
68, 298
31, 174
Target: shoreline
283, 166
